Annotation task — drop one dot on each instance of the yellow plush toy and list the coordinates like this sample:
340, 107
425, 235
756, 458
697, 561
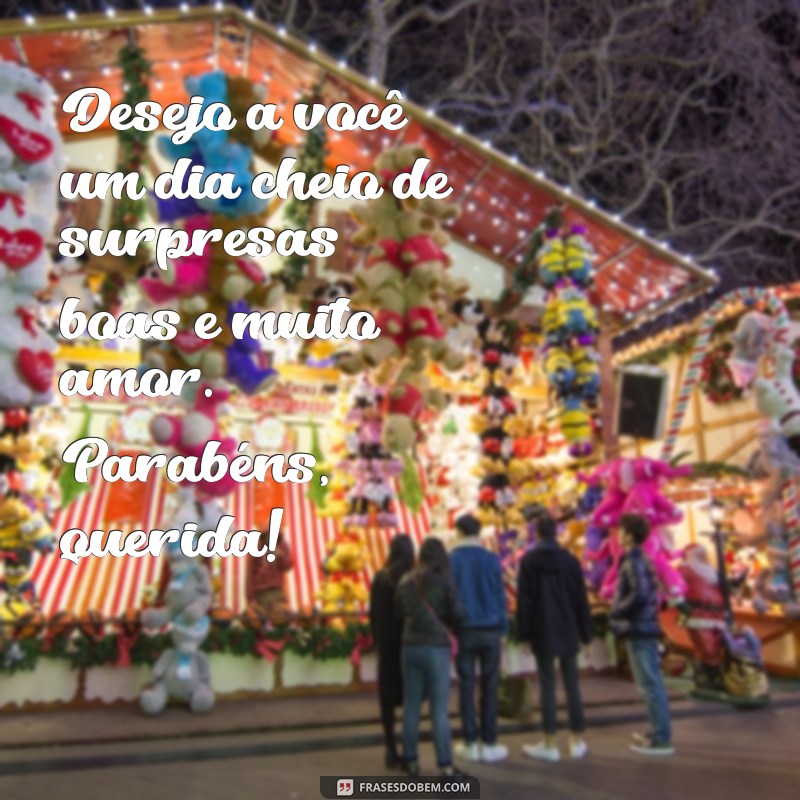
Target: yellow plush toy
22, 528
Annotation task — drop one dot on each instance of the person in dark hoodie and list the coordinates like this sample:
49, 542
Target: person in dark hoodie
387, 632
478, 576
553, 615
428, 604
634, 617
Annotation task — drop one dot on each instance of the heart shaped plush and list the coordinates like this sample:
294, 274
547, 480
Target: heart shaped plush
37, 368
19, 248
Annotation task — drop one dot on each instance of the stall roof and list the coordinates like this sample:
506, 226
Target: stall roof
502, 200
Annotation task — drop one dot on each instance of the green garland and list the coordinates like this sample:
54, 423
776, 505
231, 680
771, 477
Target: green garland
126, 212
319, 641
526, 275
298, 213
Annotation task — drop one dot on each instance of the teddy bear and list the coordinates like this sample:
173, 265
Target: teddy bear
778, 399
27, 360
24, 261
242, 94
405, 403
189, 433
248, 367
29, 140
182, 671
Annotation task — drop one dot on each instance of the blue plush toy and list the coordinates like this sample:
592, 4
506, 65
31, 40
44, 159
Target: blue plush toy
234, 158
587, 372
213, 88
559, 369
247, 365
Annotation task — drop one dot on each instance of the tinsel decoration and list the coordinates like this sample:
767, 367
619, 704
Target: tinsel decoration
127, 213
299, 213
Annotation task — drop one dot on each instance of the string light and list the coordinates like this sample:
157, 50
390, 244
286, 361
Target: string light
219, 5
148, 10
111, 12
281, 30
30, 19
70, 15
106, 71
342, 63
66, 74
184, 8
250, 13
312, 46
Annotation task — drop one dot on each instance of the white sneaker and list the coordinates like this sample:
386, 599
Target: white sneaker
541, 752
578, 749
494, 752
469, 752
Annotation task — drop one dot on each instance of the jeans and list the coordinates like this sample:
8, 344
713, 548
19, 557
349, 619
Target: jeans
426, 670
483, 647
545, 666
646, 666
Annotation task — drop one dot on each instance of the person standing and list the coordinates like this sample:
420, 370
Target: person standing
553, 616
264, 580
387, 632
634, 617
428, 604
478, 577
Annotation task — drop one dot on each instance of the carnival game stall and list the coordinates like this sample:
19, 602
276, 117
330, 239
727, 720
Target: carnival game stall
492, 390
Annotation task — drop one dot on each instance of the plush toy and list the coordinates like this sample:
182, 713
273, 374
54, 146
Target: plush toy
578, 255
778, 398
576, 426
248, 366
560, 370
189, 433
585, 362
182, 671
551, 259
27, 360
28, 134
750, 341
24, 262
242, 94
23, 528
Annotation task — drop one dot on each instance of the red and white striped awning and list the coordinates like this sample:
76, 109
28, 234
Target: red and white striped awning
112, 586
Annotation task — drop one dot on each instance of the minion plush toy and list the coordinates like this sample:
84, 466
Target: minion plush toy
551, 260
578, 255
560, 370
576, 425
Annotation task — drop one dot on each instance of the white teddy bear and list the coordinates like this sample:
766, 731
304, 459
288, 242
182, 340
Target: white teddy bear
28, 135
24, 261
778, 398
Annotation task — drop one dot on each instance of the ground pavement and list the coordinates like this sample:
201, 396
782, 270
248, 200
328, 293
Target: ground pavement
278, 749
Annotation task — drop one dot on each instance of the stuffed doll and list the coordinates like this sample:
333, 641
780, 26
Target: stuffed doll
242, 94
22, 528
586, 364
575, 423
560, 370
182, 672
248, 366
578, 255
27, 351
24, 261
29, 140
551, 259
189, 433
778, 398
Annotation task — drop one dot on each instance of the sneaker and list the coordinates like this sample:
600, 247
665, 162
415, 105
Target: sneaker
578, 749
641, 738
651, 748
447, 772
469, 751
541, 752
494, 752
412, 769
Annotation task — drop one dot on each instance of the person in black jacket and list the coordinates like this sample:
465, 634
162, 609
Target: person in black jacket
634, 616
428, 604
387, 632
553, 615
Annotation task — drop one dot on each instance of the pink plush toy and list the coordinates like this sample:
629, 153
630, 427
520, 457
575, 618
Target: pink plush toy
633, 487
189, 433
186, 276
